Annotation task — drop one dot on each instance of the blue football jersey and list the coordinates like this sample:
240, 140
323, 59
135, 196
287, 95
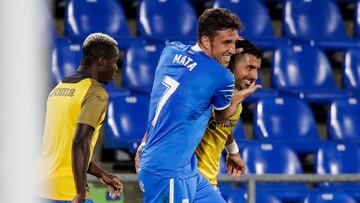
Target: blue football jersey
187, 85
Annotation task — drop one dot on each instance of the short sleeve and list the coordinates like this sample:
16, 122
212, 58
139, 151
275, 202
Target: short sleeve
224, 94
93, 107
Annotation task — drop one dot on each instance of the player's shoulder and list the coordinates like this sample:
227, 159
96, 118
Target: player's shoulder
178, 45
96, 88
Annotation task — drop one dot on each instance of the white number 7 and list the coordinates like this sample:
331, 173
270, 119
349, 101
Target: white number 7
171, 85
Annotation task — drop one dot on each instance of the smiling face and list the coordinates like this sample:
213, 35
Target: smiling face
245, 70
222, 46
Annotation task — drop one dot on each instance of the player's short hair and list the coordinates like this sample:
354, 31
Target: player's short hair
218, 19
97, 45
248, 48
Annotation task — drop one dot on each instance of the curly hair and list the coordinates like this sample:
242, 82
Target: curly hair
96, 45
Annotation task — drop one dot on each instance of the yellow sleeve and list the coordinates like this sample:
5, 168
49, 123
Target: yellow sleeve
93, 106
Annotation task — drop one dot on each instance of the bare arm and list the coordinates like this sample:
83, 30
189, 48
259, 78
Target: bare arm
238, 97
80, 157
113, 183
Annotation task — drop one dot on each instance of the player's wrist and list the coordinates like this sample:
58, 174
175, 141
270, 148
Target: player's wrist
232, 148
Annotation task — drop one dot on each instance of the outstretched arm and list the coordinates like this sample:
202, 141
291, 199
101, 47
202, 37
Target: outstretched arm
237, 98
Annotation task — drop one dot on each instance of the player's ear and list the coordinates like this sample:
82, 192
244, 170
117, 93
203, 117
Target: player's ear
205, 42
101, 61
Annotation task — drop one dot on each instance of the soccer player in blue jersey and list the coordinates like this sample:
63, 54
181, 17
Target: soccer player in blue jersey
189, 82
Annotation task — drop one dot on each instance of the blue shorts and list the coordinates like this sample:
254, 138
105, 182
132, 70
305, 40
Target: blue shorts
61, 201
196, 189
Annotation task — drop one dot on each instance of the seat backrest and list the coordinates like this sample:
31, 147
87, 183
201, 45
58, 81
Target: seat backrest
65, 59
328, 197
343, 120
357, 19
334, 159
351, 69
284, 118
140, 65
256, 26
167, 19
83, 17
239, 132
126, 120
301, 67
263, 158
313, 19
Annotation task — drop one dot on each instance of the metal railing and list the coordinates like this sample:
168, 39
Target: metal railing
252, 179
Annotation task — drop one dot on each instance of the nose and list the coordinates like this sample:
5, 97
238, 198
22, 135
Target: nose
232, 49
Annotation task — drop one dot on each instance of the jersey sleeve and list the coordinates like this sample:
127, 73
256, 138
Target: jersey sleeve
93, 107
224, 94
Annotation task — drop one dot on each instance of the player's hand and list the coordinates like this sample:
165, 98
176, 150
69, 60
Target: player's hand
79, 198
240, 96
137, 157
235, 166
113, 183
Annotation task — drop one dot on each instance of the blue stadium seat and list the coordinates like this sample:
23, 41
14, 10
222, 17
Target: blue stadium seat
65, 59
317, 20
344, 119
305, 72
167, 20
264, 92
241, 197
83, 17
328, 197
264, 158
139, 66
357, 19
258, 27
351, 70
335, 159
287, 120
126, 120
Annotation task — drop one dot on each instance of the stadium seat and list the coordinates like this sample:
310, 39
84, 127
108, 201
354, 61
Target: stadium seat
287, 120
357, 19
139, 66
126, 121
267, 158
65, 59
336, 159
83, 17
167, 20
241, 197
258, 28
304, 71
319, 21
351, 70
328, 197
264, 92
343, 120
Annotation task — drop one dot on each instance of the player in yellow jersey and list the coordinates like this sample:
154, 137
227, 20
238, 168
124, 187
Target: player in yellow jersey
76, 109
244, 66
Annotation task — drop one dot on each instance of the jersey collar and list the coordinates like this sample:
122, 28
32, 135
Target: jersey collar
196, 48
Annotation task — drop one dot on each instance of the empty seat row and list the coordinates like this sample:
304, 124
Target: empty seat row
318, 21
331, 158
302, 71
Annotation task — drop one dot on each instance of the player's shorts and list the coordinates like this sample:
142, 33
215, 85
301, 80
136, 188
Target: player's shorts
60, 201
196, 189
